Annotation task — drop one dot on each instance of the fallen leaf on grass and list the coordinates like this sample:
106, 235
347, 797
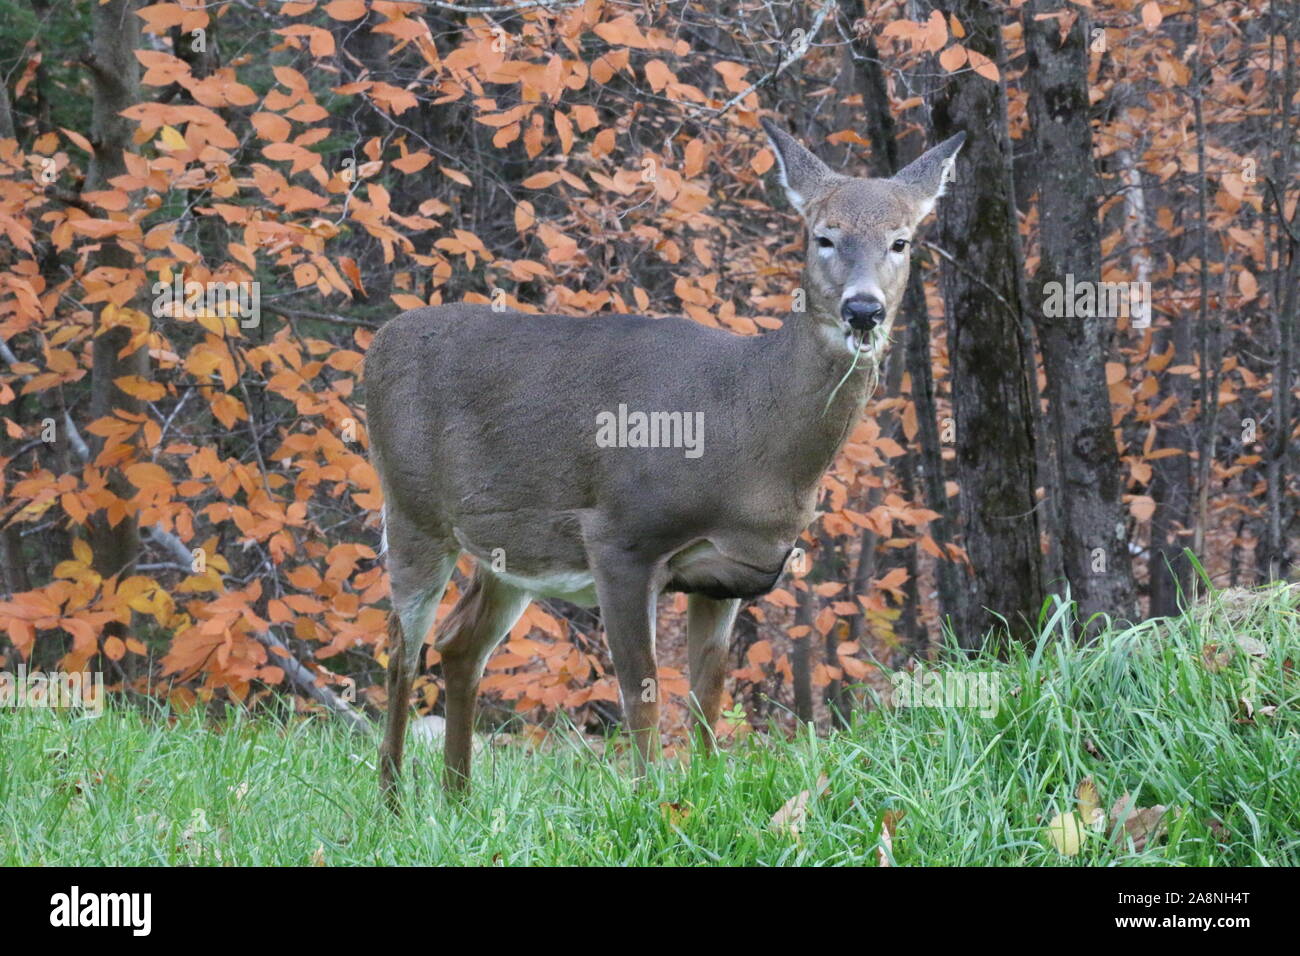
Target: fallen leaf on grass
1089, 802
1143, 825
1066, 833
675, 814
1251, 645
790, 818
1215, 657
888, 827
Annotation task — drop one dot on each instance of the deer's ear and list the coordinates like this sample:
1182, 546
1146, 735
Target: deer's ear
928, 174
802, 173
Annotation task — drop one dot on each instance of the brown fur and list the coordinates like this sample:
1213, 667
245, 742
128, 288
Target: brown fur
483, 428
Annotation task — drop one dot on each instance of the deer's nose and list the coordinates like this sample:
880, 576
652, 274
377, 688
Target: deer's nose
862, 312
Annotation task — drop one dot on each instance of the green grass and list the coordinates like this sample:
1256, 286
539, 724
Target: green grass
1139, 712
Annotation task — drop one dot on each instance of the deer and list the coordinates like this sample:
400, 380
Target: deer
485, 426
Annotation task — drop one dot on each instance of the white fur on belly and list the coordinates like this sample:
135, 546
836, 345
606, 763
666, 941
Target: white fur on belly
575, 586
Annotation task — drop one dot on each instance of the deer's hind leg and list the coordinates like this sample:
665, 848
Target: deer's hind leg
485, 613
708, 630
419, 568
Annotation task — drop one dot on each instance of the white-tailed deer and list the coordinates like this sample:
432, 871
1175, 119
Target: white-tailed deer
606, 459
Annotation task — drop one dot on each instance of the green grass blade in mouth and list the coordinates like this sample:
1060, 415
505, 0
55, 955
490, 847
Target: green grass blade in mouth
857, 341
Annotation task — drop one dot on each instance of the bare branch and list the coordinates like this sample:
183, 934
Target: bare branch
319, 317
298, 673
79, 446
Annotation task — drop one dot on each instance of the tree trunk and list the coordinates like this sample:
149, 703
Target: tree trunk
7, 130
1094, 546
992, 404
1276, 560
924, 464
1208, 330
929, 461
115, 81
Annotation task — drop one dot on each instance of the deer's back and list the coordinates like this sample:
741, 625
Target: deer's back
474, 411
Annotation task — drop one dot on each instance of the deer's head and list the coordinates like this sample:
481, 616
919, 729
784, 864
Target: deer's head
859, 237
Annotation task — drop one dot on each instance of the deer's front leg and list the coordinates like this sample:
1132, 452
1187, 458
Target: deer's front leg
627, 595
708, 629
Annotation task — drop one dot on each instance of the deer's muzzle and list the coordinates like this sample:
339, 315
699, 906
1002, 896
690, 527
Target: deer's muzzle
862, 312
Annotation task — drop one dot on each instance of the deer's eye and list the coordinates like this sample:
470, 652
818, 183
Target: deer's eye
825, 242
900, 245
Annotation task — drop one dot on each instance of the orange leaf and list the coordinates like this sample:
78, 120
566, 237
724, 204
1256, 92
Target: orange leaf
953, 58
894, 580
271, 126
137, 387
413, 162
346, 9
145, 474
1248, 285
658, 75
161, 17
455, 176
782, 598
1142, 507
983, 65
541, 180
564, 127
936, 32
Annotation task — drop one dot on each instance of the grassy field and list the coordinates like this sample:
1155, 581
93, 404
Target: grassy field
1197, 715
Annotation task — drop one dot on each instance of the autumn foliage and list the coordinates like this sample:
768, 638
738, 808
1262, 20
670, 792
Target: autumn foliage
356, 159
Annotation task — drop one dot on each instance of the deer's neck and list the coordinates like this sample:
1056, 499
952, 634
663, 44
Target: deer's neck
812, 399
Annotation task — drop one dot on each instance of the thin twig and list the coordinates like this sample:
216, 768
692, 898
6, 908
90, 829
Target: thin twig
507, 8
970, 275
319, 316
797, 54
